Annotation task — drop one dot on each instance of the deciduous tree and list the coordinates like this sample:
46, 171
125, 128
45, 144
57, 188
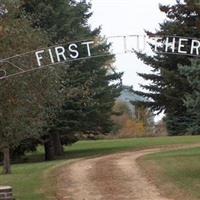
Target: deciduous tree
23, 98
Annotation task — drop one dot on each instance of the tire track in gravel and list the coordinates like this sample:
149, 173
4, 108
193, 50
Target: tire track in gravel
111, 177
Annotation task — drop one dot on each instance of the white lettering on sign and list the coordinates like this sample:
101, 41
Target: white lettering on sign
195, 47
83, 50
51, 56
181, 45
73, 49
88, 46
178, 45
39, 57
169, 44
60, 53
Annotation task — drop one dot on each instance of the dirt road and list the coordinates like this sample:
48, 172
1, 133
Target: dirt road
112, 177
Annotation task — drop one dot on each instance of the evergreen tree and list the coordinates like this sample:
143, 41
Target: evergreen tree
90, 98
168, 86
192, 99
86, 84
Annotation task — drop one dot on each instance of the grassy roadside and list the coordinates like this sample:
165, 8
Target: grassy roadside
35, 181
28, 179
176, 173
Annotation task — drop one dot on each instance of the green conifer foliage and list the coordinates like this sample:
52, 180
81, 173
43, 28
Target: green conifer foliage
168, 86
88, 85
192, 98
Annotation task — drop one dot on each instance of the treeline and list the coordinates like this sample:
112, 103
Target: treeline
54, 106
175, 79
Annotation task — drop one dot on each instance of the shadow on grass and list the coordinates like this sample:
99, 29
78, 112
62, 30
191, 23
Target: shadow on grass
102, 147
71, 154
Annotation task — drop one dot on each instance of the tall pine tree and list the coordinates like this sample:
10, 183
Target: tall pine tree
168, 86
192, 99
89, 94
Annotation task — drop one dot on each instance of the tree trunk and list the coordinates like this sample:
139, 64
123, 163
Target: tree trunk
49, 149
57, 144
6, 161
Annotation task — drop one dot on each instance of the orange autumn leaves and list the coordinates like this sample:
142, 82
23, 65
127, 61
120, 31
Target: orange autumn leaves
129, 124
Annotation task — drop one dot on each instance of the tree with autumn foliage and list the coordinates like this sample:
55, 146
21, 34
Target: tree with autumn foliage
129, 123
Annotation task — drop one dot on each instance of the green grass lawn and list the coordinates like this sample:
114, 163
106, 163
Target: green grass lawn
34, 180
27, 180
176, 173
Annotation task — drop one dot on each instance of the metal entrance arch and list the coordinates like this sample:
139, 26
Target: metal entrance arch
10, 67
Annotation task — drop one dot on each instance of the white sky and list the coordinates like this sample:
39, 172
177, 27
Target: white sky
124, 17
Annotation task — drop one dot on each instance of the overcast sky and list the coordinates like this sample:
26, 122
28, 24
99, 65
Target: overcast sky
124, 17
